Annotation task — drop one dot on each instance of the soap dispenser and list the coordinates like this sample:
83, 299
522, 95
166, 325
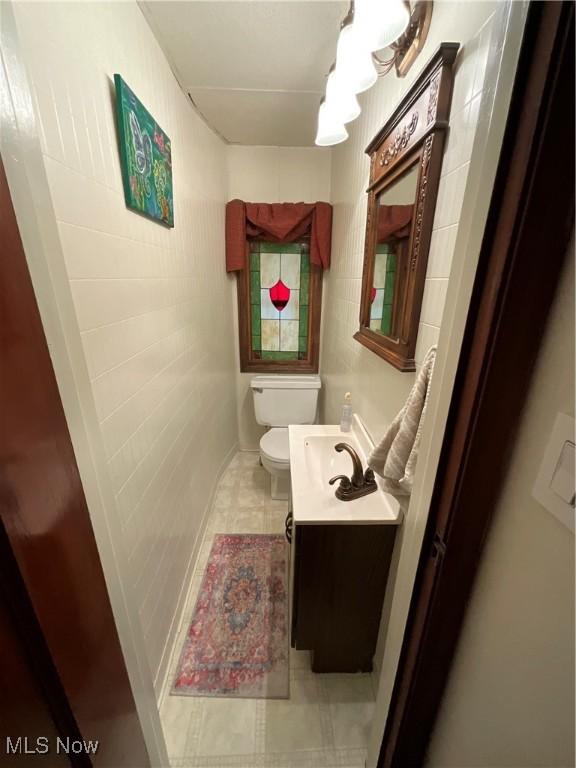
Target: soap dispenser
346, 420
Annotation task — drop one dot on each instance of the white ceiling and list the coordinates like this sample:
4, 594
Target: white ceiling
255, 69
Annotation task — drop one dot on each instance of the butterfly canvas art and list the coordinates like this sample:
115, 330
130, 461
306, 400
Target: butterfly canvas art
146, 157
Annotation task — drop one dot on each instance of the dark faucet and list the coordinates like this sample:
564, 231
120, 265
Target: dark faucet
358, 473
361, 483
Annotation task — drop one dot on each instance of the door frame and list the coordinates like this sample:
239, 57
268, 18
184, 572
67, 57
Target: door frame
494, 370
53, 576
21, 151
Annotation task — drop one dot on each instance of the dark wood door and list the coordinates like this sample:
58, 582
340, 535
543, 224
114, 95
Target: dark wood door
25, 713
34, 712
47, 524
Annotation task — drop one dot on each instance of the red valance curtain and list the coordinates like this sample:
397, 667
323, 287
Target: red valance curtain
394, 221
279, 223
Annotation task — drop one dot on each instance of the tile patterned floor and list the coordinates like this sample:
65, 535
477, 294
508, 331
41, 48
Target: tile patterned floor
326, 721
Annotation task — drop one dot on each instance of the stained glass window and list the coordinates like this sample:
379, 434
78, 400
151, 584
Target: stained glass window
279, 300
383, 290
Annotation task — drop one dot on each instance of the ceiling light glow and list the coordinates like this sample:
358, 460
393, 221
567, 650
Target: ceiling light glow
369, 26
330, 130
341, 100
354, 65
379, 23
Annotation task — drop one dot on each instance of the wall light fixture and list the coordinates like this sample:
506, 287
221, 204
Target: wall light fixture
369, 26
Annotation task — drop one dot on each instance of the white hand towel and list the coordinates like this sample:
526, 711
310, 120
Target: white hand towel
394, 459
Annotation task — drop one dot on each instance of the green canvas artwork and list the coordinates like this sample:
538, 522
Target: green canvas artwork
146, 154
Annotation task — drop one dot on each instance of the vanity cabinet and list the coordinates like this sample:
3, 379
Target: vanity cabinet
338, 582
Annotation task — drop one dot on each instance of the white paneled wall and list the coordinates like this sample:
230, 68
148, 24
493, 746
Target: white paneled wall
272, 175
509, 698
279, 174
153, 305
378, 389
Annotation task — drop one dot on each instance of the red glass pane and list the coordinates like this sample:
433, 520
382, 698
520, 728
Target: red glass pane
372, 295
279, 295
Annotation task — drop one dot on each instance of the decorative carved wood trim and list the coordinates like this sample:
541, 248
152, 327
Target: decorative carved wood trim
400, 141
424, 166
413, 136
432, 110
433, 99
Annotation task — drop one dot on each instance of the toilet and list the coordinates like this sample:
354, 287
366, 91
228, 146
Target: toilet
279, 401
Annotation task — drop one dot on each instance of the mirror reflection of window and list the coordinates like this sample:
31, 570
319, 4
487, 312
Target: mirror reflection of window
395, 214
383, 290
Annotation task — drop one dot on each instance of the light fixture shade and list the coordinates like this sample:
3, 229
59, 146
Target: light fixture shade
341, 100
354, 65
379, 23
330, 130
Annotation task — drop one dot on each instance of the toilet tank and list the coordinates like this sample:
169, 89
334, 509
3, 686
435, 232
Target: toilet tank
283, 400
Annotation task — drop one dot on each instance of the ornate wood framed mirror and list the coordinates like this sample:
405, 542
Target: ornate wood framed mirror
405, 167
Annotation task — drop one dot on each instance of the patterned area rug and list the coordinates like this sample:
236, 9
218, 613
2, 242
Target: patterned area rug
237, 643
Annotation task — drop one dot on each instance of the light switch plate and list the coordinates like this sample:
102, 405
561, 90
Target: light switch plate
562, 482
555, 485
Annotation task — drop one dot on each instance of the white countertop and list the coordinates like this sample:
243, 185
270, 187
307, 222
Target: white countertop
313, 461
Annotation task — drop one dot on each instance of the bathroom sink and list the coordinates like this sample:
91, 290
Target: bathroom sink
322, 461
313, 461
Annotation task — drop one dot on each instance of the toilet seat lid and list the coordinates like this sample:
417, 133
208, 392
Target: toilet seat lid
275, 445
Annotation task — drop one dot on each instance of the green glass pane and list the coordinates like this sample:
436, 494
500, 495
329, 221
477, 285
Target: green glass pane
386, 324
254, 261
256, 343
304, 319
256, 320
391, 262
279, 355
255, 288
302, 344
389, 288
280, 248
305, 262
304, 288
